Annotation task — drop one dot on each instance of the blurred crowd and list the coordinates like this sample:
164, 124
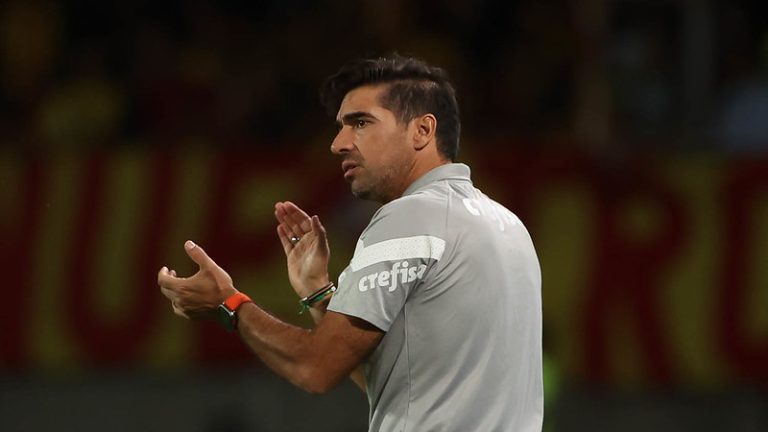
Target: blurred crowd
86, 75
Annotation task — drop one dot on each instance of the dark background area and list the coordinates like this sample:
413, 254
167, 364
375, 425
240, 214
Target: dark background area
650, 74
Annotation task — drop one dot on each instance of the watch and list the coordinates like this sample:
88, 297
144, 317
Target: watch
227, 310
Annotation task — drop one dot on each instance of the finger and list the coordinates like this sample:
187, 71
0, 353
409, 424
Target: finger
319, 229
298, 217
161, 273
198, 255
168, 279
285, 239
178, 311
282, 216
169, 294
279, 212
289, 215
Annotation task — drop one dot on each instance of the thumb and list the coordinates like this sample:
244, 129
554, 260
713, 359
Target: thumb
197, 254
319, 229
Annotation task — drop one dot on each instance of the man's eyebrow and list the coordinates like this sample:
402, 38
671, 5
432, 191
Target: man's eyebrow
349, 118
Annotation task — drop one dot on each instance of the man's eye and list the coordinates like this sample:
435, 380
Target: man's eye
360, 123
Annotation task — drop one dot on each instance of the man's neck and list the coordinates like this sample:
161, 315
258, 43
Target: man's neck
415, 172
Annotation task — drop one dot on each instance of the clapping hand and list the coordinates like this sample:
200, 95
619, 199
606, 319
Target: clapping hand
306, 248
199, 295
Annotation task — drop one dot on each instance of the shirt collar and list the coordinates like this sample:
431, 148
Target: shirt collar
451, 171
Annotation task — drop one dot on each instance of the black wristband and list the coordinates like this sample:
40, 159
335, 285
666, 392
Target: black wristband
316, 297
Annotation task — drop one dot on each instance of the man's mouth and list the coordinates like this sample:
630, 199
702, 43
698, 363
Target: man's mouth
349, 168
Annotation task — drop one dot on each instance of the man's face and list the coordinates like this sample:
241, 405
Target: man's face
373, 145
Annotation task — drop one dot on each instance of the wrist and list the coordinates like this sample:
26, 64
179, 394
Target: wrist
322, 305
318, 299
310, 286
227, 310
227, 292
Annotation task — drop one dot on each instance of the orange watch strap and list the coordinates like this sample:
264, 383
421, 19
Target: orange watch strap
236, 300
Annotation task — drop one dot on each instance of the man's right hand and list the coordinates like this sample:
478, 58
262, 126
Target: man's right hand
308, 257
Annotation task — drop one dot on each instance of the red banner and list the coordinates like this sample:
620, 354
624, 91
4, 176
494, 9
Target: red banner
653, 270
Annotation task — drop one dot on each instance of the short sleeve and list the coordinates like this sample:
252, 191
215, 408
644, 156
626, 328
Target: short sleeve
394, 256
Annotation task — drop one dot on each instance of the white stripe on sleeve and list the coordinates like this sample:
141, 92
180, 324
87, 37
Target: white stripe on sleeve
428, 247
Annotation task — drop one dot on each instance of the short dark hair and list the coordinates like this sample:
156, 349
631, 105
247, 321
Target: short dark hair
415, 88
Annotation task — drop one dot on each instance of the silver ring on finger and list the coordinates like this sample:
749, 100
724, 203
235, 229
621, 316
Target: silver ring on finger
295, 239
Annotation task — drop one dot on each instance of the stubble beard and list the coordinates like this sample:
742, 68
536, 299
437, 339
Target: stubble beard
360, 193
376, 187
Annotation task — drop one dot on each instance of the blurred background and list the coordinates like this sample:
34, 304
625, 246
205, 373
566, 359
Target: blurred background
629, 135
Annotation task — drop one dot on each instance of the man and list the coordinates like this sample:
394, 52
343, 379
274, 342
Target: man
438, 315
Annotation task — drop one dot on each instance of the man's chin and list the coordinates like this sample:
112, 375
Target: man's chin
359, 191
361, 194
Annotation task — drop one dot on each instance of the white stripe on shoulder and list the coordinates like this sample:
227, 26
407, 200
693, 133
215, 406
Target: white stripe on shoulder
429, 247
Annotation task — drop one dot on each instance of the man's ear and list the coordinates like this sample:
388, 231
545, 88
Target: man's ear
425, 127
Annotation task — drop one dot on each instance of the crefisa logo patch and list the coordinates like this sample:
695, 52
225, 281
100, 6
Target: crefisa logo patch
401, 273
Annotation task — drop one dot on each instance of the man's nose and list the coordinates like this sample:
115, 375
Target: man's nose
342, 143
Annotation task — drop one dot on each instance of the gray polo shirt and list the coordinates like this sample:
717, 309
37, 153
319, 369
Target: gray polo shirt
453, 279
